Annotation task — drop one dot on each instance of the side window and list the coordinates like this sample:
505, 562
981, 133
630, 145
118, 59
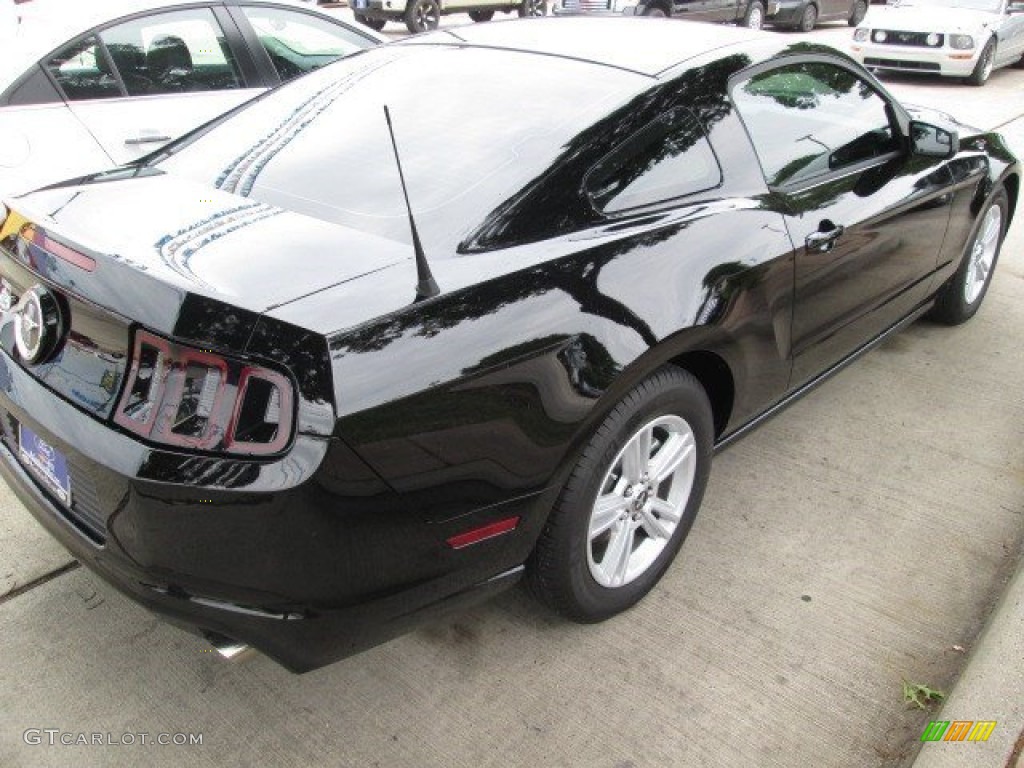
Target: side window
82, 72
811, 118
299, 42
176, 52
667, 159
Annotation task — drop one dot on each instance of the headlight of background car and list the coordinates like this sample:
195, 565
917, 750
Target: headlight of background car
962, 42
861, 34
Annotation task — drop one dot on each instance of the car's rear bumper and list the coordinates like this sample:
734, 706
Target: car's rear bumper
307, 559
902, 58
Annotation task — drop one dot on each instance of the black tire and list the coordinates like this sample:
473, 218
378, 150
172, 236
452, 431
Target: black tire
530, 8
952, 303
422, 15
481, 15
860, 10
809, 19
754, 17
559, 572
374, 24
983, 69
654, 12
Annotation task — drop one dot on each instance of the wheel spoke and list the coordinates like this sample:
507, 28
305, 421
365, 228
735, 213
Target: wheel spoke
982, 272
991, 226
672, 453
616, 557
654, 527
665, 511
636, 456
606, 511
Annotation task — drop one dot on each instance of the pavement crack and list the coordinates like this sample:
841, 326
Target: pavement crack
38, 582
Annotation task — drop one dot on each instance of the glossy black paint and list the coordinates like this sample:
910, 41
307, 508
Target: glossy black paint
419, 420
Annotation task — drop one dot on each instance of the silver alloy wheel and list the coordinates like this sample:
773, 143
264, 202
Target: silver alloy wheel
755, 20
428, 16
983, 254
990, 59
641, 500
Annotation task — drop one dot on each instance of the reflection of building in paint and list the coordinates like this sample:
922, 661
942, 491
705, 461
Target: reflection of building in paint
177, 250
240, 176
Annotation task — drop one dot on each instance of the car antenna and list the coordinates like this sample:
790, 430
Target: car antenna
425, 285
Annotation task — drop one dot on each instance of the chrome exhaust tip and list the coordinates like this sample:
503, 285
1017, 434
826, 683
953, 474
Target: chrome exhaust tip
230, 650
234, 651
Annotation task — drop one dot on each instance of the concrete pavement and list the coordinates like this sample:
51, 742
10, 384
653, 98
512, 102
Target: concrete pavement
853, 542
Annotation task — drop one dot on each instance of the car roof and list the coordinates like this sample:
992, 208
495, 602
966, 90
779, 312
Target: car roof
648, 46
46, 24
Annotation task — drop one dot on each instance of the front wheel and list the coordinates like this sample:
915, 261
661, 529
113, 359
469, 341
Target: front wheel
960, 298
629, 502
755, 15
809, 18
983, 68
860, 10
422, 15
533, 8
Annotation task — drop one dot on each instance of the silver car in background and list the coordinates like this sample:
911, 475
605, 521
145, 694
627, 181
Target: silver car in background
85, 85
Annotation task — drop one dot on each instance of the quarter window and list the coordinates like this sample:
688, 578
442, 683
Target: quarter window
667, 159
812, 118
300, 42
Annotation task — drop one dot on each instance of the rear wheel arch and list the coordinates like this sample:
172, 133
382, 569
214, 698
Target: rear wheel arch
1012, 185
715, 376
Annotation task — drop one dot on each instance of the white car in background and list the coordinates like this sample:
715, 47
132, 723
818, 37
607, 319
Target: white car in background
955, 38
88, 84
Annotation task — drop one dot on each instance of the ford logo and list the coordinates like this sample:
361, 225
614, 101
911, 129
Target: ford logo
38, 325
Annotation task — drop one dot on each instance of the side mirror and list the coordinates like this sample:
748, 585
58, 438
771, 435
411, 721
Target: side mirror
932, 141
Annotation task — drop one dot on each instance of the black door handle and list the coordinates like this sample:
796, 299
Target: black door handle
824, 240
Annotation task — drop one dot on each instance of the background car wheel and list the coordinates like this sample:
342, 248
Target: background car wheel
422, 15
860, 10
533, 8
809, 18
983, 68
755, 15
960, 297
654, 11
375, 24
629, 502
481, 15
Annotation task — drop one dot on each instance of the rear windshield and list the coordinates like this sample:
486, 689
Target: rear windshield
473, 126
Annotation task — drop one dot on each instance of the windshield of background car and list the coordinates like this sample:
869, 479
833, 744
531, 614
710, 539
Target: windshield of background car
473, 126
992, 6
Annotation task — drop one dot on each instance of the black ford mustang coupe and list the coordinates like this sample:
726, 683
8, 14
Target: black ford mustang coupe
322, 369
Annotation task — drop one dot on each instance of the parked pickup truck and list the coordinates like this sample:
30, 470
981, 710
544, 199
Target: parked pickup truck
424, 15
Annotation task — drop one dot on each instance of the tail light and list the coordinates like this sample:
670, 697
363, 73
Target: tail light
182, 396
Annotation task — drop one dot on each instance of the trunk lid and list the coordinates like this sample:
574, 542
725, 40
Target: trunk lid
182, 259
